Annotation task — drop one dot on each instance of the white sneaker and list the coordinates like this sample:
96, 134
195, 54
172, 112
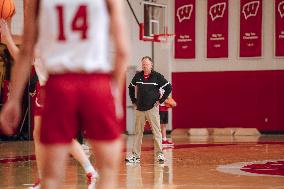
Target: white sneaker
36, 185
132, 158
161, 158
91, 179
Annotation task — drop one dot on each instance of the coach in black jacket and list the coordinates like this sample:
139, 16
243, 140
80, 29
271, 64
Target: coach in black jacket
149, 85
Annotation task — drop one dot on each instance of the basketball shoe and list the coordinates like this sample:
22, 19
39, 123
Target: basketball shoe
160, 157
91, 179
36, 185
166, 143
132, 158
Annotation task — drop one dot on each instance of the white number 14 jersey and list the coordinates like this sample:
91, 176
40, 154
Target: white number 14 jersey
74, 36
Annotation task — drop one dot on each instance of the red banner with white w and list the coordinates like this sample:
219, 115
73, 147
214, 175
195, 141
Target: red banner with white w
250, 28
185, 29
279, 27
217, 28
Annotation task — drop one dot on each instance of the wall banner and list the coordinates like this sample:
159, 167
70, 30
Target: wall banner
217, 28
279, 27
250, 28
185, 29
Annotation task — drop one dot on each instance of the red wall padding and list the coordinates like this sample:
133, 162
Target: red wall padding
229, 99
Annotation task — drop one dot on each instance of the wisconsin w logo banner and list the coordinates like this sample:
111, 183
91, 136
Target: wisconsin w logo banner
250, 28
217, 28
185, 28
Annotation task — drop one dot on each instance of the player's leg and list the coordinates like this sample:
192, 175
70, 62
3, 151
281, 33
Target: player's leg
163, 125
108, 156
103, 129
37, 143
164, 131
54, 158
38, 105
78, 153
164, 117
38, 154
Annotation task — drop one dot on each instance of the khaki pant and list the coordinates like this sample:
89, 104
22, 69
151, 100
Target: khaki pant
153, 118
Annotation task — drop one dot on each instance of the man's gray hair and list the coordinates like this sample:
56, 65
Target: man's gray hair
147, 57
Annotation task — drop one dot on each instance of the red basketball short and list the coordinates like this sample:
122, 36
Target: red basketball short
76, 102
39, 99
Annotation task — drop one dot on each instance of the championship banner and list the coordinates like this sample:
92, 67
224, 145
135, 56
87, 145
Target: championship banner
217, 28
279, 27
185, 29
250, 28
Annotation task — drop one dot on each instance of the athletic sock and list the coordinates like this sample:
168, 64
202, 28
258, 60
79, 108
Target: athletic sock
88, 167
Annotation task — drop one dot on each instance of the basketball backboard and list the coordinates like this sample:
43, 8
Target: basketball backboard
154, 21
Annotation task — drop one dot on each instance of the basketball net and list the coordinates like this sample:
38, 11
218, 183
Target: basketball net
165, 39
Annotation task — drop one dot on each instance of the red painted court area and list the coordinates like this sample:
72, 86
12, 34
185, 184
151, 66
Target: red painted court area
266, 168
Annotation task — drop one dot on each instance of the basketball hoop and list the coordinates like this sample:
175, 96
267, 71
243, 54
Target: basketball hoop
165, 39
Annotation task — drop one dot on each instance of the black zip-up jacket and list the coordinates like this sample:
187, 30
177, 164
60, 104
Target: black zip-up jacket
148, 90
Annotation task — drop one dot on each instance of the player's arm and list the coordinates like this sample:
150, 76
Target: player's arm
21, 70
121, 44
10, 114
8, 39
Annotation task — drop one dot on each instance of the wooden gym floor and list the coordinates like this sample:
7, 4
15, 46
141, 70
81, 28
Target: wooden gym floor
219, 162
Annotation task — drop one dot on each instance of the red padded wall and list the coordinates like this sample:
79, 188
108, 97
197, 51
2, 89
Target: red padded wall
229, 99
